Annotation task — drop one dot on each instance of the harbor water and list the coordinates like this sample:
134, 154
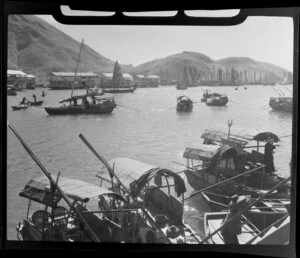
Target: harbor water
156, 134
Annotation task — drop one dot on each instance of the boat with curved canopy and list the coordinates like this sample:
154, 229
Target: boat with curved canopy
209, 164
158, 191
184, 104
217, 100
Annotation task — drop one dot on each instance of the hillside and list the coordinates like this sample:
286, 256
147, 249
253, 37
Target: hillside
201, 67
39, 48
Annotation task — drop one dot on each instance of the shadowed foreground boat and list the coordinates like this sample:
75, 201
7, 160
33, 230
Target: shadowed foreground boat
156, 192
262, 214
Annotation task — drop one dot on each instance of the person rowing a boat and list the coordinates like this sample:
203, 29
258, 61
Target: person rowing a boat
34, 97
24, 101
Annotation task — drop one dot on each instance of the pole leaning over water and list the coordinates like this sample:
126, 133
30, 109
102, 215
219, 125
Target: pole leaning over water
222, 182
111, 171
48, 175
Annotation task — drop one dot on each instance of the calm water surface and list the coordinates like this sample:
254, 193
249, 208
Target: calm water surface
154, 135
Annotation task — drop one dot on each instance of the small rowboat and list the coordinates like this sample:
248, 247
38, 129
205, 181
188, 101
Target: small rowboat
20, 107
36, 103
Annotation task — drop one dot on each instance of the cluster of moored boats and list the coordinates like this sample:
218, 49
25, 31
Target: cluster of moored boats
136, 202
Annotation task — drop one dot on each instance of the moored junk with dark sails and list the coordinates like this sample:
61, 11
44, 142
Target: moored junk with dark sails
155, 191
117, 82
91, 103
209, 164
284, 104
184, 104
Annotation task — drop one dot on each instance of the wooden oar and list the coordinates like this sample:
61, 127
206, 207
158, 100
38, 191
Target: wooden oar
41, 166
285, 136
128, 107
172, 107
233, 102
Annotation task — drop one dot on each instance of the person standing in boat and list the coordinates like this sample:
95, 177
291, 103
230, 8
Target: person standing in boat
234, 221
24, 101
268, 157
34, 97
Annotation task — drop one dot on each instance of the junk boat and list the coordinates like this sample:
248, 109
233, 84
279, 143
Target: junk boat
57, 223
156, 192
284, 104
96, 105
183, 85
118, 84
262, 214
184, 104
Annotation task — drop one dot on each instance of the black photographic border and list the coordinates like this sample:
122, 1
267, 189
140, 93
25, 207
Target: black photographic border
49, 7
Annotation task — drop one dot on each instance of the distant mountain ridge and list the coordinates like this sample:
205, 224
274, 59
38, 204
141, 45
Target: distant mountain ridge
245, 69
38, 48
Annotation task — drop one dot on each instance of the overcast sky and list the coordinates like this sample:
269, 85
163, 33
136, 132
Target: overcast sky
268, 39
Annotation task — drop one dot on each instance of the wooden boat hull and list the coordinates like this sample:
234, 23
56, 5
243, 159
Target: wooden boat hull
20, 107
217, 102
37, 103
96, 109
284, 104
200, 179
260, 217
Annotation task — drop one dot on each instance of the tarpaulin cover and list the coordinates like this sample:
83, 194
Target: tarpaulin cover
38, 189
127, 169
241, 135
139, 184
135, 174
201, 151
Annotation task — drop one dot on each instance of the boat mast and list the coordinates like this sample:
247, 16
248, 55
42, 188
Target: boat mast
77, 67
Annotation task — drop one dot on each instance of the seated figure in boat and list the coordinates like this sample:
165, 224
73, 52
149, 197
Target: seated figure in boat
233, 226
